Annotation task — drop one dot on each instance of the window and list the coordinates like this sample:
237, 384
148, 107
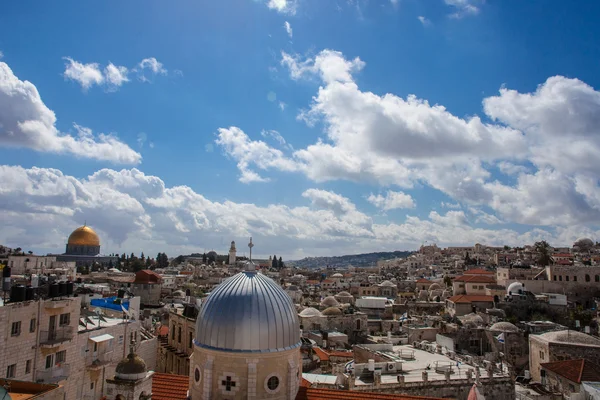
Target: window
575, 278
11, 370
587, 278
173, 332
65, 319
120, 339
560, 278
32, 325
179, 335
95, 347
197, 375
61, 356
567, 278
15, 329
190, 340
49, 361
597, 278
273, 383
27, 366
91, 385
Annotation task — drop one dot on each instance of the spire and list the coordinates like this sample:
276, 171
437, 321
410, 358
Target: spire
251, 245
250, 265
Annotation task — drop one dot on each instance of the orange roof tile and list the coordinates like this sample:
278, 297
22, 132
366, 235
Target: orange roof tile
469, 298
338, 353
308, 393
322, 354
169, 386
423, 280
163, 330
575, 370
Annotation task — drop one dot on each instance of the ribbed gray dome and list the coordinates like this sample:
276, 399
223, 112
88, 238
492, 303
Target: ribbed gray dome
248, 312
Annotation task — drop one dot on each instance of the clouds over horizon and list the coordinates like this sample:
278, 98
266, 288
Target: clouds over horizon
547, 140
25, 121
138, 212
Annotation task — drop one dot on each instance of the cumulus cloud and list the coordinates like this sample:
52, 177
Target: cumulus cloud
132, 210
25, 121
288, 28
86, 75
547, 140
287, 7
112, 77
391, 200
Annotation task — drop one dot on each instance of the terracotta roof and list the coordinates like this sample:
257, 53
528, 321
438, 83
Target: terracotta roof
423, 280
479, 271
469, 298
325, 354
475, 279
328, 281
308, 393
575, 370
312, 282
163, 330
169, 386
147, 276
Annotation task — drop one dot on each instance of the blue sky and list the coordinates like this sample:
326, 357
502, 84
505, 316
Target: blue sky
315, 127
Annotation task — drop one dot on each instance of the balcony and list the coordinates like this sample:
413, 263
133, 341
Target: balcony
49, 339
55, 374
99, 360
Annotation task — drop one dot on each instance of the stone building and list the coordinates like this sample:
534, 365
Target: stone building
567, 376
148, 285
176, 347
30, 264
251, 351
560, 346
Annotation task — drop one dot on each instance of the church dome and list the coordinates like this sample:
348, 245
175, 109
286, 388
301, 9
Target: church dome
504, 326
573, 337
84, 236
310, 312
132, 367
248, 312
329, 301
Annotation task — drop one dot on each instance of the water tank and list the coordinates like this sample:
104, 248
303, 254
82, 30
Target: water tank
29, 290
69, 288
62, 288
6, 279
35, 281
371, 365
53, 291
17, 293
527, 374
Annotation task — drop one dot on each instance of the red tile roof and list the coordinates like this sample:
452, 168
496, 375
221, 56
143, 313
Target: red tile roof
475, 279
423, 280
169, 386
575, 370
479, 271
325, 354
469, 298
163, 330
147, 276
308, 393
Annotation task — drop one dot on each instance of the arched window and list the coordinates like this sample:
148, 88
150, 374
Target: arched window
358, 324
587, 278
597, 278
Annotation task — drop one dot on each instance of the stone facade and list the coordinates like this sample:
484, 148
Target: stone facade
173, 354
241, 375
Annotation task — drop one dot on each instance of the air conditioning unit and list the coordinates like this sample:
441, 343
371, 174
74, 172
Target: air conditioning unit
390, 367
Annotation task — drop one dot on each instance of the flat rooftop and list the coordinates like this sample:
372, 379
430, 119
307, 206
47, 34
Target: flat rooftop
412, 370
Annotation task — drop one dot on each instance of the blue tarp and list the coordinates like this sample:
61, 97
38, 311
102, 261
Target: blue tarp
111, 303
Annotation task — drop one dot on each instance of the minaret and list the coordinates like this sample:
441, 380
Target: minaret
232, 253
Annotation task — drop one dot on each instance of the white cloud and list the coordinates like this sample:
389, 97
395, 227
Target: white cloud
424, 21
288, 29
330, 65
25, 121
131, 210
509, 168
395, 3
1, 55
392, 200
237, 145
115, 75
282, 106
450, 205
287, 7
463, 8
87, 75
277, 137
153, 65
141, 139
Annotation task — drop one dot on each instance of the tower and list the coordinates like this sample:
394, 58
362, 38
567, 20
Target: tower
232, 253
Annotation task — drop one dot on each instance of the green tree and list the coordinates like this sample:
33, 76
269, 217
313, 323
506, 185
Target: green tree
542, 248
280, 263
447, 281
274, 262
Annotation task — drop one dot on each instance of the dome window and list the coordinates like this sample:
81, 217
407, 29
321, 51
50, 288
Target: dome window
197, 375
272, 383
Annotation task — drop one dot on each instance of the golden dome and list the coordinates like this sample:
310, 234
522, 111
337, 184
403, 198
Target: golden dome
84, 236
